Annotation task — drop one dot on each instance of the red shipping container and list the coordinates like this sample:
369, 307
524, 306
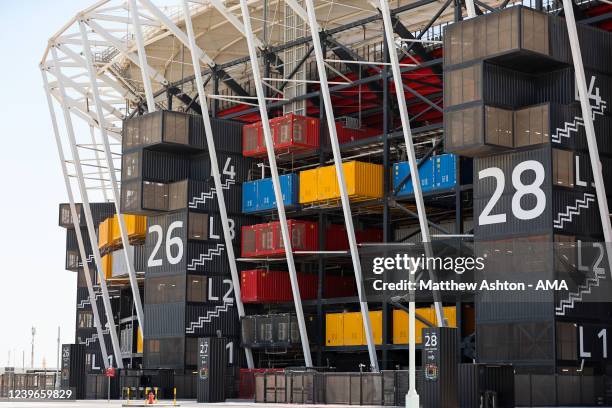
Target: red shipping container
339, 286
246, 389
337, 240
290, 133
346, 134
268, 238
263, 286
248, 240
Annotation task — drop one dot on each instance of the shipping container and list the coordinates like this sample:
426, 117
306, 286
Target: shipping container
164, 352
210, 259
99, 212
523, 39
259, 195
202, 196
247, 380
73, 369
290, 133
135, 229
346, 328
274, 330
220, 320
263, 240
164, 320
337, 238
436, 173
477, 379
105, 233
119, 265
364, 181
439, 361
339, 286
264, 286
424, 314
498, 214
152, 165
233, 168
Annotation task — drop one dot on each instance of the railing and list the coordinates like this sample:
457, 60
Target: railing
11, 382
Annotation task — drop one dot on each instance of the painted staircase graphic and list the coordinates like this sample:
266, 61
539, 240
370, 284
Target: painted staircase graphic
572, 210
196, 201
93, 338
90, 259
86, 301
209, 316
582, 290
194, 263
572, 127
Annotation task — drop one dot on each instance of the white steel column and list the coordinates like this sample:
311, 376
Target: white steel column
412, 398
346, 204
587, 116
88, 218
98, 162
214, 165
282, 217
75, 222
471, 8
129, 259
142, 56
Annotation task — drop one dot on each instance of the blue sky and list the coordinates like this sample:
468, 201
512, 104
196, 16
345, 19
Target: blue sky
35, 288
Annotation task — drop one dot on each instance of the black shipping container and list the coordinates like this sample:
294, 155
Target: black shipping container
73, 369
232, 166
525, 40
477, 379
210, 259
566, 127
154, 165
212, 367
72, 243
164, 320
164, 352
274, 330
202, 196
439, 361
99, 212
212, 320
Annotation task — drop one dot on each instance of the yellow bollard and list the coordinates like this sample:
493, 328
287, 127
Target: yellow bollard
155, 388
128, 395
174, 400
146, 393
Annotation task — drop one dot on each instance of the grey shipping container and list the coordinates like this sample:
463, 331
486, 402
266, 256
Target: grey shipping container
274, 330
477, 379
232, 166
119, 264
164, 352
99, 212
439, 363
164, 320
154, 166
210, 259
212, 367
212, 320
73, 369
202, 196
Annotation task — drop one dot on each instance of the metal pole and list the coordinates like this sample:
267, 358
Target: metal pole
346, 205
142, 56
129, 259
75, 222
214, 164
98, 162
282, 217
412, 398
471, 9
587, 116
57, 359
91, 229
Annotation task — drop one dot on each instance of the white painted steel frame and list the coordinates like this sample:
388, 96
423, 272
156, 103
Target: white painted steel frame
587, 115
75, 222
142, 56
129, 257
311, 18
280, 205
89, 220
214, 165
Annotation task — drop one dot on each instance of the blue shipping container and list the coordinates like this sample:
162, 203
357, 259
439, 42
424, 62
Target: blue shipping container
258, 195
437, 173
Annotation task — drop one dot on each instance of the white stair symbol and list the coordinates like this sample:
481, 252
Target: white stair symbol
86, 301
583, 289
93, 338
205, 257
209, 316
90, 259
196, 201
568, 215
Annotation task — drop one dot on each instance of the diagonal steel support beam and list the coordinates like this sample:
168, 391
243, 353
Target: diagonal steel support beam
246, 18
129, 258
401, 30
142, 56
76, 224
210, 141
346, 205
91, 229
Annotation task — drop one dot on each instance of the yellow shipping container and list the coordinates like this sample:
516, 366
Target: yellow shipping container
136, 226
400, 322
139, 342
364, 181
346, 329
107, 267
334, 335
105, 233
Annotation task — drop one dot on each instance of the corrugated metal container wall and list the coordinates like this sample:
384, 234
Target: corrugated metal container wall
163, 166
263, 286
562, 118
164, 320
259, 194
266, 239
212, 367
247, 380
99, 212
486, 187
119, 265
202, 196
209, 258
337, 238
71, 240
290, 133
586, 223
231, 166
560, 86
157, 228
273, 330
402, 169
164, 353
339, 286
73, 369
506, 88
475, 379
227, 134
211, 320
219, 289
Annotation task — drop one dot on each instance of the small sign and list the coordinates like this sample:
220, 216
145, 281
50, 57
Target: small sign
110, 372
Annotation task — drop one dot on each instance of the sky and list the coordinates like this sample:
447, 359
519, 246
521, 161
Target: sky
35, 289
